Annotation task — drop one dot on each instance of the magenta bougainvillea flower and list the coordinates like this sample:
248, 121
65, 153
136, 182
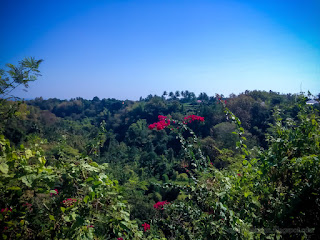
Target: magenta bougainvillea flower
146, 226
159, 205
53, 194
28, 206
161, 124
164, 121
69, 202
192, 118
5, 210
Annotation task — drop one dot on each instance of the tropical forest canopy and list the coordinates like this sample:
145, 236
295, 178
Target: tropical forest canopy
175, 166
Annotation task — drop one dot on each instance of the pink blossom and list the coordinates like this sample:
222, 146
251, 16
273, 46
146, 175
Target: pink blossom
159, 205
53, 194
69, 202
146, 226
6, 210
161, 124
192, 118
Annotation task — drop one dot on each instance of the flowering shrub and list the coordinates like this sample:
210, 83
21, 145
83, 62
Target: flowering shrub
275, 187
159, 205
165, 121
54, 193
69, 202
192, 158
146, 226
161, 124
28, 206
267, 191
25, 184
5, 210
192, 118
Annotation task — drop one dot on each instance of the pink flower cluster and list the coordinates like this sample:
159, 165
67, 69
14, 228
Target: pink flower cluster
192, 118
159, 205
69, 202
5, 210
163, 122
91, 226
53, 194
119, 238
146, 226
27, 205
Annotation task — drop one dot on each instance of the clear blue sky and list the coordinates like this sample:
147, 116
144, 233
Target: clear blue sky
128, 49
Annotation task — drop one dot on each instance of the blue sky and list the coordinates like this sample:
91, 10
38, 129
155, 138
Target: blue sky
128, 49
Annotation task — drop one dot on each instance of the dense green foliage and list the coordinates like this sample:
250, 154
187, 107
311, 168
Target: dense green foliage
93, 169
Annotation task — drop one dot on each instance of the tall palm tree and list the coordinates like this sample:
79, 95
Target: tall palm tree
187, 94
171, 95
165, 93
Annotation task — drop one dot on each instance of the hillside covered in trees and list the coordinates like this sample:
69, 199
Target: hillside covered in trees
175, 166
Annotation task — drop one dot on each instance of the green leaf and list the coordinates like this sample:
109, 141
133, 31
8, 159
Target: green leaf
63, 209
90, 179
25, 180
97, 183
245, 151
255, 201
92, 195
67, 218
42, 160
86, 198
51, 217
28, 153
246, 194
14, 188
4, 168
73, 215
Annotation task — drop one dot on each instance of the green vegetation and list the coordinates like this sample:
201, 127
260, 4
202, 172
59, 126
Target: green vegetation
248, 168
